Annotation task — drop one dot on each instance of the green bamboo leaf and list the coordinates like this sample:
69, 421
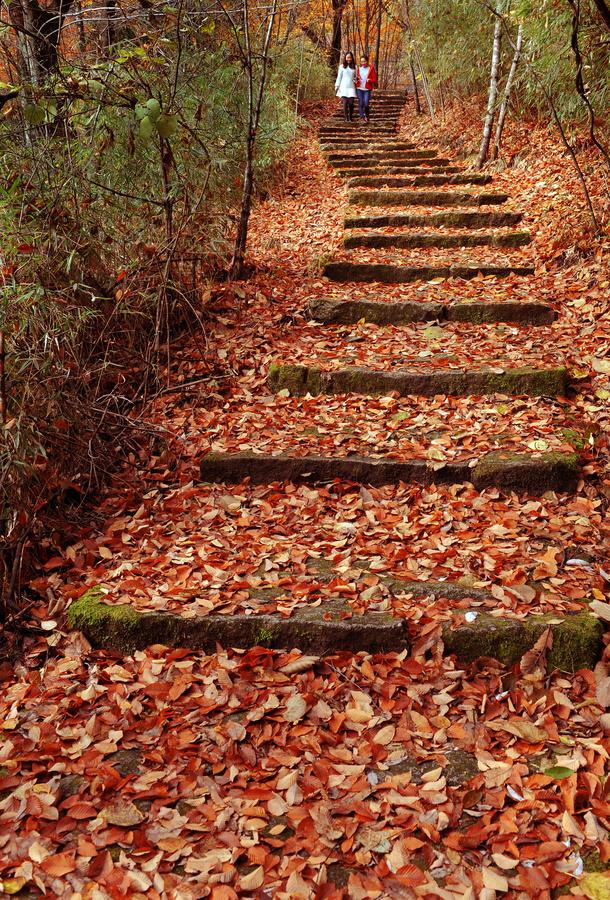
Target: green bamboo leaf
558, 772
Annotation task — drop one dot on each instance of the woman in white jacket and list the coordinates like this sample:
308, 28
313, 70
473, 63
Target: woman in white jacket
345, 85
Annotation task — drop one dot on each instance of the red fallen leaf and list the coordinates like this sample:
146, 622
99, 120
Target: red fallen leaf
533, 880
469, 839
100, 866
223, 892
59, 864
544, 852
56, 562
411, 876
82, 811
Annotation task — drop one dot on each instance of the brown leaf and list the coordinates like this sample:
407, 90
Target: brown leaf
535, 659
124, 814
296, 707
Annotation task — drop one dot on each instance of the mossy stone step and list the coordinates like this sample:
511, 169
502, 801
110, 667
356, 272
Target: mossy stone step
391, 181
301, 380
577, 639
349, 312
405, 155
438, 239
382, 141
402, 160
321, 630
374, 128
424, 198
382, 129
507, 471
451, 219
403, 169
382, 273
429, 165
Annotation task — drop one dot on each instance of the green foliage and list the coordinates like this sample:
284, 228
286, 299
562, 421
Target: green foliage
304, 71
122, 178
454, 38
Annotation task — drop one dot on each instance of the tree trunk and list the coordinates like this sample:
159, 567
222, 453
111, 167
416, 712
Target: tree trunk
109, 36
493, 93
604, 11
507, 92
255, 104
406, 25
378, 43
39, 29
415, 88
334, 56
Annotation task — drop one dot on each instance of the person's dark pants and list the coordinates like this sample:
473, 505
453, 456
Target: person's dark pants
348, 108
364, 98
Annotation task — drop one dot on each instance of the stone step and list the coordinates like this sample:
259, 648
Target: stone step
385, 103
418, 181
371, 127
383, 131
519, 472
577, 639
386, 273
334, 142
397, 158
369, 156
424, 198
438, 239
321, 631
402, 169
382, 141
301, 380
349, 312
452, 219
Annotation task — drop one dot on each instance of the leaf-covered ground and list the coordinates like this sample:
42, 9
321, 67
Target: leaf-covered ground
269, 774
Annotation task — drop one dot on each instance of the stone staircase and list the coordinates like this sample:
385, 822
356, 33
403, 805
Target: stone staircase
358, 349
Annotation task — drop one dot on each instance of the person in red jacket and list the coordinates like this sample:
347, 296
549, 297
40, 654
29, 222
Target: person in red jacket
366, 80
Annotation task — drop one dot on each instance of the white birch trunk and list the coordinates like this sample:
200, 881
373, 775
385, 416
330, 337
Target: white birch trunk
507, 92
493, 93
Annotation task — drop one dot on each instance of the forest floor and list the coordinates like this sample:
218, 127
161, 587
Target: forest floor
264, 773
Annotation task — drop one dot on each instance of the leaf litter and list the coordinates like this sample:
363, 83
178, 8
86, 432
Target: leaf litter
268, 771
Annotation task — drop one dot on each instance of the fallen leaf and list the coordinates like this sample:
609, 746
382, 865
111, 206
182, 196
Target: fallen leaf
124, 814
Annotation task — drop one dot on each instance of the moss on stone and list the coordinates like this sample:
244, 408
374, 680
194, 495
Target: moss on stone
507, 470
321, 566
577, 639
593, 862
126, 762
459, 768
528, 380
573, 437
264, 636
69, 785
104, 624
298, 380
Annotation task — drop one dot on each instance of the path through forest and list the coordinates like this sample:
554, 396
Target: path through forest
381, 486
